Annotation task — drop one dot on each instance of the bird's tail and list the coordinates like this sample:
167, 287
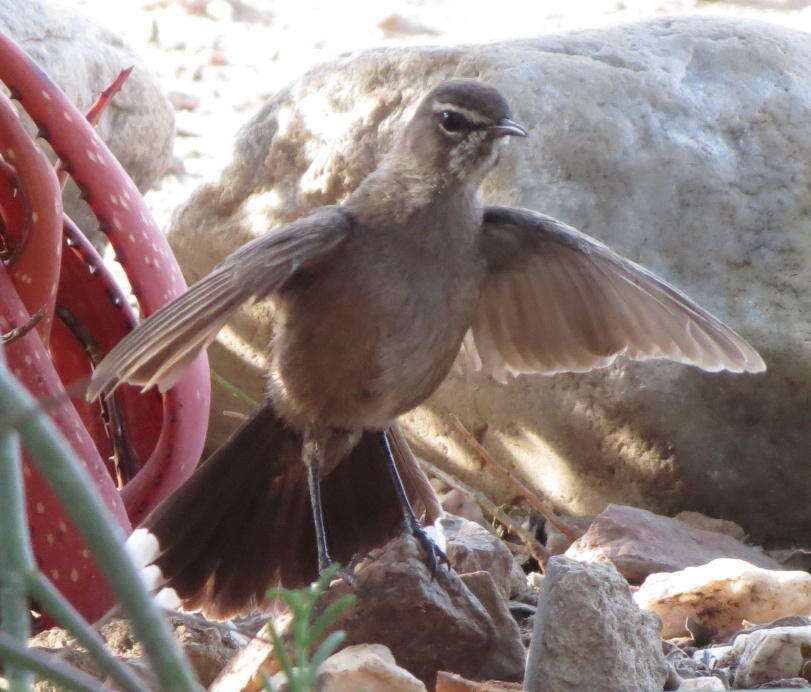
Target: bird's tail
242, 523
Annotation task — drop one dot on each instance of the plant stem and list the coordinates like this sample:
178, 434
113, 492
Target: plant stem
16, 556
46, 666
71, 484
58, 607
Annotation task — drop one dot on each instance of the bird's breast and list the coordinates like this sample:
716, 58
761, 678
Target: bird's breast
373, 334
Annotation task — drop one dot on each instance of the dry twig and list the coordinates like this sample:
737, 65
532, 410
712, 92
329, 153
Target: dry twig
531, 497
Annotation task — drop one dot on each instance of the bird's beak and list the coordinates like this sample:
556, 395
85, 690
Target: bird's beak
506, 127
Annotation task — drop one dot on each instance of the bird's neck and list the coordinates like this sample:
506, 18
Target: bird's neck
406, 188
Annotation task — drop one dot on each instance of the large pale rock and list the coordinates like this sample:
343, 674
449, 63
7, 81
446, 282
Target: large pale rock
772, 654
723, 593
682, 143
83, 58
590, 635
365, 667
640, 543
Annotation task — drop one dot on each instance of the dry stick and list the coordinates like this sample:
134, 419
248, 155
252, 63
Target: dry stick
532, 498
537, 551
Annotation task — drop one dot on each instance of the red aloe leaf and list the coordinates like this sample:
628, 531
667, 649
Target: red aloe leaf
143, 252
35, 267
94, 113
89, 295
60, 551
14, 212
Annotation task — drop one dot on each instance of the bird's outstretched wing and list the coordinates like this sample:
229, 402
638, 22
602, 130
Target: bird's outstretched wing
158, 349
556, 300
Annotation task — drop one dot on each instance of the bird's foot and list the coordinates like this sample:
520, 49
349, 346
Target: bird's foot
338, 572
434, 555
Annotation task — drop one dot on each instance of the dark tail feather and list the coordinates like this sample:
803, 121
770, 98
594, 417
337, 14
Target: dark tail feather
242, 523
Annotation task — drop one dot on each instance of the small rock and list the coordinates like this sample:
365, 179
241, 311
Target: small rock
556, 542
365, 666
507, 655
472, 548
451, 682
181, 101
722, 594
590, 635
640, 543
701, 521
793, 558
454, 501
705, 684
771, 654
397, 25
428, 623
786, 684
209, 646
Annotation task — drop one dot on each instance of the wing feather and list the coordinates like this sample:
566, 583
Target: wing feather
556, 300
158, 350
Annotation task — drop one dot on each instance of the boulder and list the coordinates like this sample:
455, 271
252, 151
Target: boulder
83, 58
682, 143
590, 635
722, 594
640, 543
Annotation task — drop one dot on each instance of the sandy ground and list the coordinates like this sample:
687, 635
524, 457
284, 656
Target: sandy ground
219, 59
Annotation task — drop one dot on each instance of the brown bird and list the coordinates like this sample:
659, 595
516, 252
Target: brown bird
373, 299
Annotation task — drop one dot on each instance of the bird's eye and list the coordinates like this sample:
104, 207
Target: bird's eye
451, 121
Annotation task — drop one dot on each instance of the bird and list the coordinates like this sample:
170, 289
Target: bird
373, 299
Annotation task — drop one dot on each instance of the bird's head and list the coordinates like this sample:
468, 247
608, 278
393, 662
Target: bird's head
459, 129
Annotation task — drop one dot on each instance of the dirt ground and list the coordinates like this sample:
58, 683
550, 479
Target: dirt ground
220, 59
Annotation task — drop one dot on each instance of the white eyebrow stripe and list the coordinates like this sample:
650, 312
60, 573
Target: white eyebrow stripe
472, 116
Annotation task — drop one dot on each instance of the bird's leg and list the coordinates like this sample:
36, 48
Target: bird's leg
313, 457
433, 553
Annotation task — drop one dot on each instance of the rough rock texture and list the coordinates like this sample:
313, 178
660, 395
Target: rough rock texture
83, 58
428, 624
208, 647
365, 667
697, 520
507, 657
640, 543
771, 654
723, 593
471, 548
680, 142
450, 682
590, 635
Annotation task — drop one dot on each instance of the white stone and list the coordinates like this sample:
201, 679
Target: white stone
680, 142
723, 593
771, 654
365, 667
